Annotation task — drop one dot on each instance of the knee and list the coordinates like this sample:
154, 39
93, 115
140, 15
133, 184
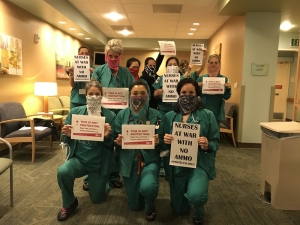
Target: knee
198, 197
62, 171
149, 189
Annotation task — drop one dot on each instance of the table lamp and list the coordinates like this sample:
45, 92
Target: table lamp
45, 89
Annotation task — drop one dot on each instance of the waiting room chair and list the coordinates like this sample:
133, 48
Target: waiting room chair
226, 125
12, 121
6, 163
65, 102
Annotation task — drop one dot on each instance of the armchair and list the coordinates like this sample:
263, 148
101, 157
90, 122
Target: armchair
12, 120
226, 126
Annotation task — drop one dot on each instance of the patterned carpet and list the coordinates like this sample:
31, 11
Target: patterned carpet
233, 195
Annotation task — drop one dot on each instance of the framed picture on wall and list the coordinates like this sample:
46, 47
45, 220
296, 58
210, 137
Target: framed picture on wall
62, 63
217, 49
10, 55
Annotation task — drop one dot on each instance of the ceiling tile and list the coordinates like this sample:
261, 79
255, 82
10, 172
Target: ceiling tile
135, 1
146, 36
140, 22
139, 8
168, 2
140, 16
108, 7
166, 16
143, 28
204, 2
194, 17
165, 23
102, 1
199, 9
163, 28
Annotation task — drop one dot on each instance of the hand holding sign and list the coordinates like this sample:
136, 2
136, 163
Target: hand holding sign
168, 138
107, 130
66, 130
203, 142
118, 140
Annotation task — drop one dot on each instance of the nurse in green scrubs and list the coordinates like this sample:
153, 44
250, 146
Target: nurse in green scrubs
140, 167
92, 158
189, 186
77, 97
113, 75
215, 102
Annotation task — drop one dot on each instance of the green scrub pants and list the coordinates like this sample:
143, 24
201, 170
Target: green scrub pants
142, 191
74, 168
187, 189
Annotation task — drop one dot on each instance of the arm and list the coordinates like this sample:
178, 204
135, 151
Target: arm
109, 140
227, 93
71, 76
158, 61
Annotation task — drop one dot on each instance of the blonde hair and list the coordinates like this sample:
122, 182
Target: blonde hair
114, 45
215, 56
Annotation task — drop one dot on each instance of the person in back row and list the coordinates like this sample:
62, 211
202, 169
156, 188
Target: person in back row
133, 66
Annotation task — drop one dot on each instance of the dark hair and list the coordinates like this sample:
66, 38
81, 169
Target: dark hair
131, 60
148, 59
139, 82
82, 47
197, 89
93, 83
177, 61
183, 62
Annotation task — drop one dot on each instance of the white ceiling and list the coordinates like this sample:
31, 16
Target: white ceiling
87, 16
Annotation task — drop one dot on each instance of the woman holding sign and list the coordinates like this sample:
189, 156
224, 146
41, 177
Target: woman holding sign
191, 168
86, 157
215, 102
140, 164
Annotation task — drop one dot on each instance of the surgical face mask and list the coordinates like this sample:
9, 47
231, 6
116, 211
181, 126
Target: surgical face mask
172, 69
93, 104
188, 103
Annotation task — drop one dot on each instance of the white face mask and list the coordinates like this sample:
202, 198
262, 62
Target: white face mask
93, 104
172, 69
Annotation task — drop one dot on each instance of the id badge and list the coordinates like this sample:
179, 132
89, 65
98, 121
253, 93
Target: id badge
82, 91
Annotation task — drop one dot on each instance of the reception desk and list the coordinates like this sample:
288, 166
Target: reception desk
280, 163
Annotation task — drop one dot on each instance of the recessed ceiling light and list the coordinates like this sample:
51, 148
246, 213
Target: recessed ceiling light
286, 26
190, 33
80, 34
125, 32
193, 28
196, 24
87, 38
62, 22
71, 28
114, 16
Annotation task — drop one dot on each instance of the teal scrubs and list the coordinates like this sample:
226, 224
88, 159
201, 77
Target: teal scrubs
123, 80
141, 191
77, 99
163, 107
92, 158
215, 103
194, 75
189, 186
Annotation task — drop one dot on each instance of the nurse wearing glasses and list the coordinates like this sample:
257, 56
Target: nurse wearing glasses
189, 186
140, 168
215, 103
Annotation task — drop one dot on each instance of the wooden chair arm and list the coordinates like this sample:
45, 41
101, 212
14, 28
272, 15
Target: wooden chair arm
41, 114
17, 120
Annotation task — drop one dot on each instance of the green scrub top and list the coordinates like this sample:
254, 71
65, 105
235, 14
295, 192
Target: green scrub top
163, 107
208, 129
215, 103
75, 96
94, 154
127, 155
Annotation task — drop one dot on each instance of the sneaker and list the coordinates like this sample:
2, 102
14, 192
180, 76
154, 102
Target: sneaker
151, 216
198, 221
65, 213
115, 183
85, 186
162, 172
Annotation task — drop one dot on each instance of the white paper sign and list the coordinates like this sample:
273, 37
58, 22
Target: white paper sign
196, 57
138, 136
90, 128
115, 98
184, 148
170, 81
213, 85
82, 68
167, 47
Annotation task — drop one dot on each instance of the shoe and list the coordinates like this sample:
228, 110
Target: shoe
198, 221
85, 186
116, 183
162, 172
65, 213
151, 216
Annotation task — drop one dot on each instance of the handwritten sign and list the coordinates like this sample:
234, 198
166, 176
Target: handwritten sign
196, 56
138, 136
170, 81
213, 85
90, 128
184, 148
115, 98
167, 47
82, 68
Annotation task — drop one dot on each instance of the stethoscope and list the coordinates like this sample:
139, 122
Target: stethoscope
131, 120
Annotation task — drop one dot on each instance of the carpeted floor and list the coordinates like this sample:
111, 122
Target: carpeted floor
233, 195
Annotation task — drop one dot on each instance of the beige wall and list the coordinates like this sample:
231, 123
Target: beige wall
38, 58
231, 35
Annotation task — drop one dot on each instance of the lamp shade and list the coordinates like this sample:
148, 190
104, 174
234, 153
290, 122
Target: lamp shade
45, 88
